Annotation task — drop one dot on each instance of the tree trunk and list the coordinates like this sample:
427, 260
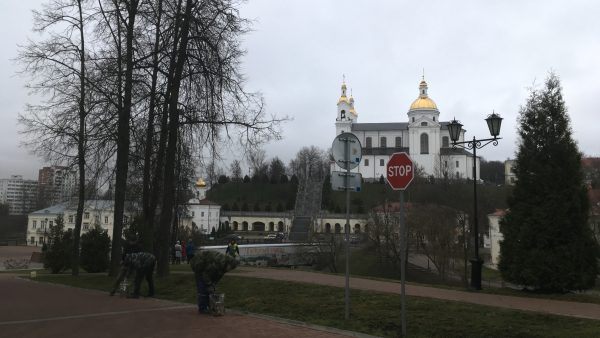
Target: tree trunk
169, 192
80, 150
123, 142
148, 228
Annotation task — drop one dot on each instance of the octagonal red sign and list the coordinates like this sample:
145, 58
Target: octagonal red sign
399, 171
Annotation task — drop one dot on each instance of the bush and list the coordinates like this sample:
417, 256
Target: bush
57, 253
95, 248
211, 266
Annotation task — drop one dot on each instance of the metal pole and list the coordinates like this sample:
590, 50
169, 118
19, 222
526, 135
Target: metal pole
347, 228
476, 262
403, 263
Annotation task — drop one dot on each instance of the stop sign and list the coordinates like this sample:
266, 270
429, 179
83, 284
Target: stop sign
399, 171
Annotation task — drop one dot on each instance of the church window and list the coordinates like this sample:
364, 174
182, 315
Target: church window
369, 142
423, 124
383, 142
434, 118
413, 119
424, 143
398, 142
381, 163
366, 162
457, 164
445, 164
445, 142
342, 114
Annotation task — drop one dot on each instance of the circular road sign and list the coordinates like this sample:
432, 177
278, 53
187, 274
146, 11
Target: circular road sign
338, 150
400, 171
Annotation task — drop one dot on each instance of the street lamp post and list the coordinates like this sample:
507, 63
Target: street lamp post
494, 121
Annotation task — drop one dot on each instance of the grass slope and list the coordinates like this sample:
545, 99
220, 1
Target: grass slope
371, 312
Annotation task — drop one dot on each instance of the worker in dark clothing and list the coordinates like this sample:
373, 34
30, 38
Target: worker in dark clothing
142, 263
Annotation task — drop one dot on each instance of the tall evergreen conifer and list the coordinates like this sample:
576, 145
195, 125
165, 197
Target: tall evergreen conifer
547, 243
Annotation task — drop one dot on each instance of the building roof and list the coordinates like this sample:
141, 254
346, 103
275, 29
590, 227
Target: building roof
204, 201
387, 126
89, 204
590, 162
452, 151
379, 126
56, 209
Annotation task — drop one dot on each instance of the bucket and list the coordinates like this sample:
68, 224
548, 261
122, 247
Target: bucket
217, 304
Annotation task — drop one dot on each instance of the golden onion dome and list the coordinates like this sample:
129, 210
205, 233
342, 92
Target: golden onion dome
423, 103
200, 183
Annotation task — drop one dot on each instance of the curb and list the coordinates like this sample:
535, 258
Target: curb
302, 324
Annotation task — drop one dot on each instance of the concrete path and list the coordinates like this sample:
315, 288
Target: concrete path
33, 309
563, 308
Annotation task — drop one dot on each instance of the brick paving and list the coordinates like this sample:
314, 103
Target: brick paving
32, 309
557, 307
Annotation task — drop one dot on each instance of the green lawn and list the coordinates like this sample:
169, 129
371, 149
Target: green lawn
371, 312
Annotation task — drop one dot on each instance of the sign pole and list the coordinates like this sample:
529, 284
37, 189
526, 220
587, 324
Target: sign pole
344, 146
399, 175
347, 230
403, 243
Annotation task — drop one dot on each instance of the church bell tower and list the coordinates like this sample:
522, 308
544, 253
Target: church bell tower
346, 114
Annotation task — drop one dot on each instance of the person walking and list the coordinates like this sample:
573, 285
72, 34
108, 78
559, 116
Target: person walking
232, 249
190, 250
183, 252
177, 253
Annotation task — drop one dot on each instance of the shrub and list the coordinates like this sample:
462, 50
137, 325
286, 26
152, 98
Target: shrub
95, 248
57, 253
212, 265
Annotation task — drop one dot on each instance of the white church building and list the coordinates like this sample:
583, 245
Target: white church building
424, 137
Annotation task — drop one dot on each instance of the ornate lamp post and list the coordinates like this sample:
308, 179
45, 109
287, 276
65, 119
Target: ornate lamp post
494, 121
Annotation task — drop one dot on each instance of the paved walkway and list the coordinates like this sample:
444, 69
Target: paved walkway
32, 309
564, 308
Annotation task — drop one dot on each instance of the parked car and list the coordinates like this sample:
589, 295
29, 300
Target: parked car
280, 235
235, 237
271, 236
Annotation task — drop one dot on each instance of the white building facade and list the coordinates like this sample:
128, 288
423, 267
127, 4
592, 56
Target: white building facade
424, 137
495, 237
95, 213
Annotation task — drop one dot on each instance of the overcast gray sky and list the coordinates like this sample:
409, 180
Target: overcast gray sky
478, 56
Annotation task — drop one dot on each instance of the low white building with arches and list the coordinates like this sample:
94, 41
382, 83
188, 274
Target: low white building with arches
424, 137
240, 221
